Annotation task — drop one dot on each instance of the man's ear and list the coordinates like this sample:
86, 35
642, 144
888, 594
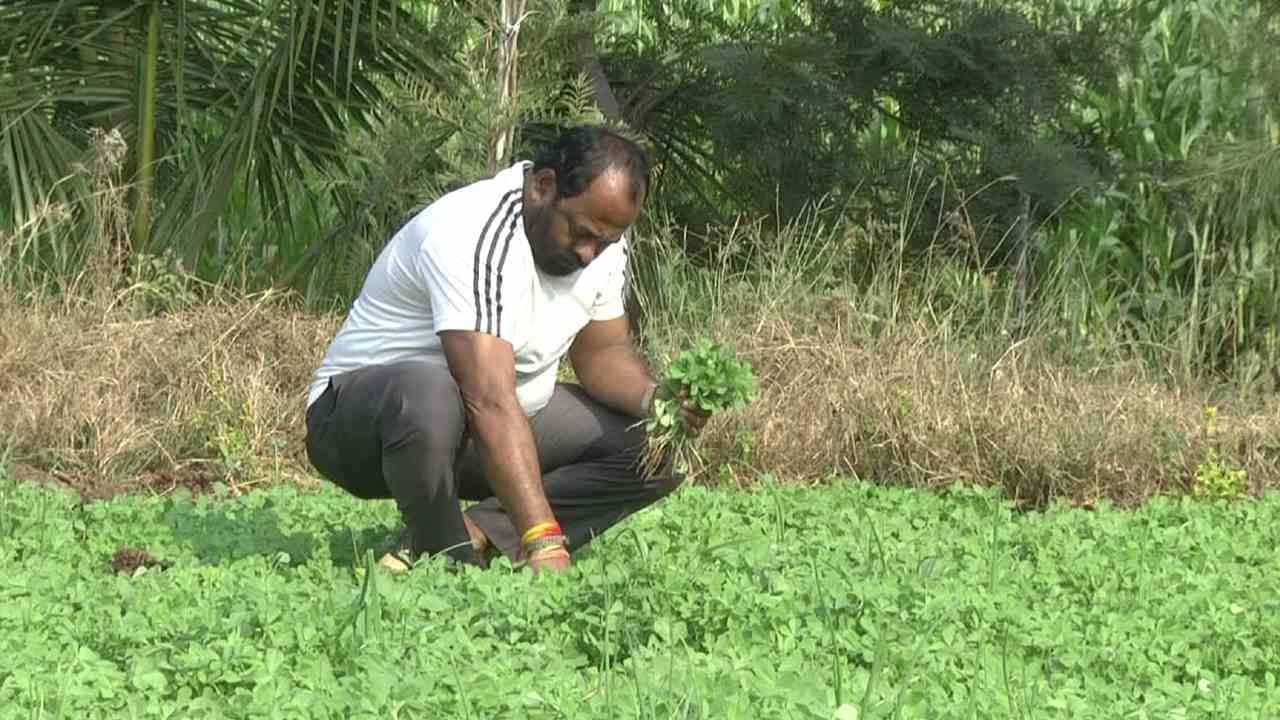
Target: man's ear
543, 185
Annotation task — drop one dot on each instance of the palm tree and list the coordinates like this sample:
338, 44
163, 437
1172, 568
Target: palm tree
210, 96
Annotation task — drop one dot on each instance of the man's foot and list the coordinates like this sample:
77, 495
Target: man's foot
394, 563
399, 557
479, 540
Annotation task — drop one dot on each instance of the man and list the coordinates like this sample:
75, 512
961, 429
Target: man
441, 384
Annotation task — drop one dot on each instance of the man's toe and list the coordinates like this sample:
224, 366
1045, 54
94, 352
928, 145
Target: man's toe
394, 562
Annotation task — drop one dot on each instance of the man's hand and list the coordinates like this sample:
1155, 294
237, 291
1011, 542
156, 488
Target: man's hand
692, 417
605, 361
695, 418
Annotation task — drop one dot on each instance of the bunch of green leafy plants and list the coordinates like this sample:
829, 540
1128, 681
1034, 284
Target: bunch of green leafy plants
710, 378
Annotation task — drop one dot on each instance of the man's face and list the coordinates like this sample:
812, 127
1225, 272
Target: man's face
567, 234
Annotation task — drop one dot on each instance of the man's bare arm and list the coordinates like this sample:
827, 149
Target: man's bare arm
606, 362
609, 368
484, 368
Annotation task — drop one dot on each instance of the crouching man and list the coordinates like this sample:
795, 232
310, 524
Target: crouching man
441, 384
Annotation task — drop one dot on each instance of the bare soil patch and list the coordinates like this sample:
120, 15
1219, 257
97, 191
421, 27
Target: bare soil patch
126, 560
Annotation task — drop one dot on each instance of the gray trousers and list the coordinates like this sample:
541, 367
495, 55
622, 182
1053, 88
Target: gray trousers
400, 431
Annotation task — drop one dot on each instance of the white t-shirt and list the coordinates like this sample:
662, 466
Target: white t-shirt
464, 263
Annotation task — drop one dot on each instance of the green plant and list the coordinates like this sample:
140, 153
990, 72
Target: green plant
1217, 479
235, 454
1174, 257
1214, 477
227, 425
159, 284
711, 379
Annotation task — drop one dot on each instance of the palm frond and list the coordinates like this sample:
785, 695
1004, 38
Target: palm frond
268, 87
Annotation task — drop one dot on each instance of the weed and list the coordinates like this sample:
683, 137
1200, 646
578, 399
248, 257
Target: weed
157, 284
1214, 477
710, 379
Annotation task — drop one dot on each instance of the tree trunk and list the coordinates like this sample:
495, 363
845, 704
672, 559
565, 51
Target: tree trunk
147, 131
1024, 278
513, 13
589, 64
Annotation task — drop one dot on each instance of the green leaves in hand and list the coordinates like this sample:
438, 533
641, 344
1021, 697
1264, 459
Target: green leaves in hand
708, 379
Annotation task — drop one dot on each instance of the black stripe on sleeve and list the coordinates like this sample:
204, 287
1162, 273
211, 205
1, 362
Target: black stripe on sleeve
502, 261
475, 278
512, 214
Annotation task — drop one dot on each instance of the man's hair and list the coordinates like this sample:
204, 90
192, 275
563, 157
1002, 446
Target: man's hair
581, 154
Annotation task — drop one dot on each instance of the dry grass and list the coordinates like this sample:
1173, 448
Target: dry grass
911, 378
913, 406
217, 392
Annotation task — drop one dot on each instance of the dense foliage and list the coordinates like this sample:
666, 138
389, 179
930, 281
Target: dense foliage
1119, 159
1179, 246
210, 104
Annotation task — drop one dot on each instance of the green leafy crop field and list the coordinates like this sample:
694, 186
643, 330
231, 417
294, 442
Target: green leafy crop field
846, 601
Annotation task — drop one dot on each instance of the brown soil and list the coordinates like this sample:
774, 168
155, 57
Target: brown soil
196, 478
27, 473
128, 559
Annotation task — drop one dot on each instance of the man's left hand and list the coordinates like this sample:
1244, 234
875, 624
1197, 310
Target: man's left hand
695, 418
